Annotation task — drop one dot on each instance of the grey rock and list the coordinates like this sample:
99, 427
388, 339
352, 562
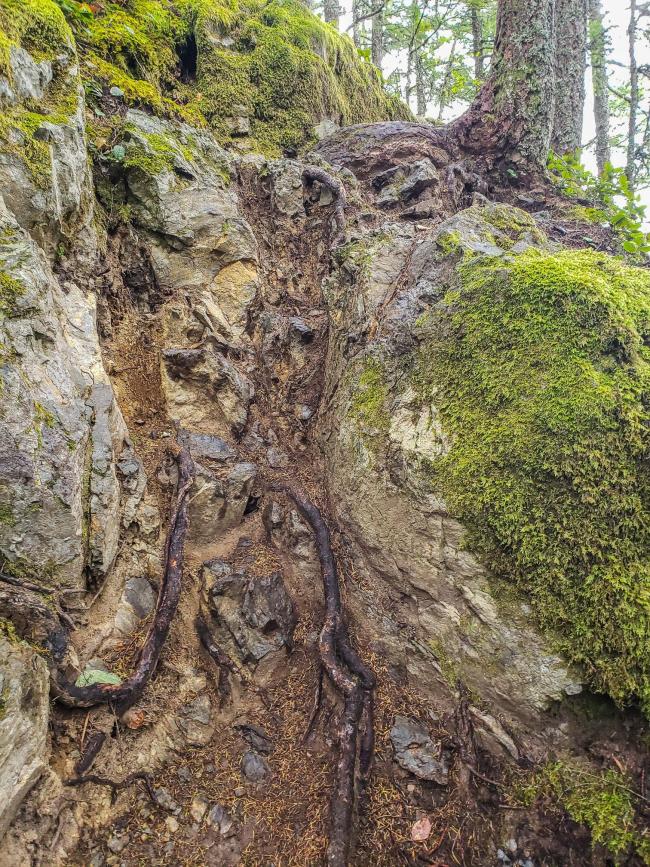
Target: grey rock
416, 752
165, 800
256, 737
138, 601
287, 187
205, 391
117, 843
195, 721
221, 820
254, 767
257, 614
213, 447
24, 706
218, 503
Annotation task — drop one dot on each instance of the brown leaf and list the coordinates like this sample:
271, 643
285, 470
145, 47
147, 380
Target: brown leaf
421, 830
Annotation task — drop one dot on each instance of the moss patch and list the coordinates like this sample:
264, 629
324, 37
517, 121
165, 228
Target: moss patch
604, 802
539, 366
370, 399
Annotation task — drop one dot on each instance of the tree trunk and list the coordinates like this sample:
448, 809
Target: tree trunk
446, 81
357, 12
630, 164
477, 43
509, 123
598, 53
570, 62
420, 90
331, 12
377, 37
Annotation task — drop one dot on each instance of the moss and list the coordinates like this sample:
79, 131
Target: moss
38, 26
587, 215
448, 242
10, 291
6, 515
539, 367
369, 399
603, 801
4, 702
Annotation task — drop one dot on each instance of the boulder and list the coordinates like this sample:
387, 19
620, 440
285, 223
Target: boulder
24, 706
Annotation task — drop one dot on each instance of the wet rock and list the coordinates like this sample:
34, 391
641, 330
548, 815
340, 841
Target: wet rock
416, 752
256, 612
24, 706
256, 737
254, 767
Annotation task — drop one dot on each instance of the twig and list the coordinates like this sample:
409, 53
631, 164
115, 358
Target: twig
116, 785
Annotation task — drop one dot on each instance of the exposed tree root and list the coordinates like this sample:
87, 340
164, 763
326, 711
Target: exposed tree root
353, 679
315, 173
90, 753
116, 785
124, 695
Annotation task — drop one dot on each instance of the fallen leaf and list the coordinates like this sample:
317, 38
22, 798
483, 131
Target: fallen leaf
421, 830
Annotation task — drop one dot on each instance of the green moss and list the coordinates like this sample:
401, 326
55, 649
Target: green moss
604, 802
369, 399
539, 366
448, 242
6, 515
39, 26
4, 702
10, 291
587, 215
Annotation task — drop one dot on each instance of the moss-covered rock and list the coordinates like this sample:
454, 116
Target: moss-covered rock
539, 366
265, 72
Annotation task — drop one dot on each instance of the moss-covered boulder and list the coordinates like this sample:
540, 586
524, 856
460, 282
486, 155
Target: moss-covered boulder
497, 421
263, 75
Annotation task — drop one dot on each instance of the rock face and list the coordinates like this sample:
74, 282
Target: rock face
379, 441
24, 706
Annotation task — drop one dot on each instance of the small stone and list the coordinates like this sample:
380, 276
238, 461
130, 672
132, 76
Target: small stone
116, 844
256, 737
421, 830
304, 412
511, 845
184, 774
172, 824
240, 791
220, 819
198, 808
165, 800
97, 860
116, 91
254, 767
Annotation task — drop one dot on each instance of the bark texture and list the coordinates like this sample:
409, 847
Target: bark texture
511, 119
598, 55
377, 37
570, 62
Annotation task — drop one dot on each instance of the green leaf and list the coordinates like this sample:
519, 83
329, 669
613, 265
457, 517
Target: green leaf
630, 247
92, 676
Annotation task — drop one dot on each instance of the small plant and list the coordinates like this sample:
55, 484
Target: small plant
609, 193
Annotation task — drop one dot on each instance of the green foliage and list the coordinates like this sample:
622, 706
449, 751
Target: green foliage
610, 197
604, 802
539, 366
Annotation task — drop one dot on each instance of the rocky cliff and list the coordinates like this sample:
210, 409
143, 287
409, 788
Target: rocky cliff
463, 398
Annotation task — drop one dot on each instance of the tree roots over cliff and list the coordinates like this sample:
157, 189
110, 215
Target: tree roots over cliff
122, 696
353, 680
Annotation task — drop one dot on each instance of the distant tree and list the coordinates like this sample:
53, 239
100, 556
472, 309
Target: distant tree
599, 80
570, 64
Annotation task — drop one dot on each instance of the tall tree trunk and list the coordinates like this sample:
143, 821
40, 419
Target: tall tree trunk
331, 12
570, 63
409, 74
509, 123
446, 81
598, 55
477, 43
630, 164
420, 90
357, 12
377, 36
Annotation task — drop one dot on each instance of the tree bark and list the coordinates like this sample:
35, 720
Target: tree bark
630, 163
357, 12
477, 43
420, 90
570, 63
598, 56
331, 12
509, 124
377, 38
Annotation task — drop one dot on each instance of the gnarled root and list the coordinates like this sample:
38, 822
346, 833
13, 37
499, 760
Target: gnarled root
353, 679
116, 785
315, 173
128, 692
